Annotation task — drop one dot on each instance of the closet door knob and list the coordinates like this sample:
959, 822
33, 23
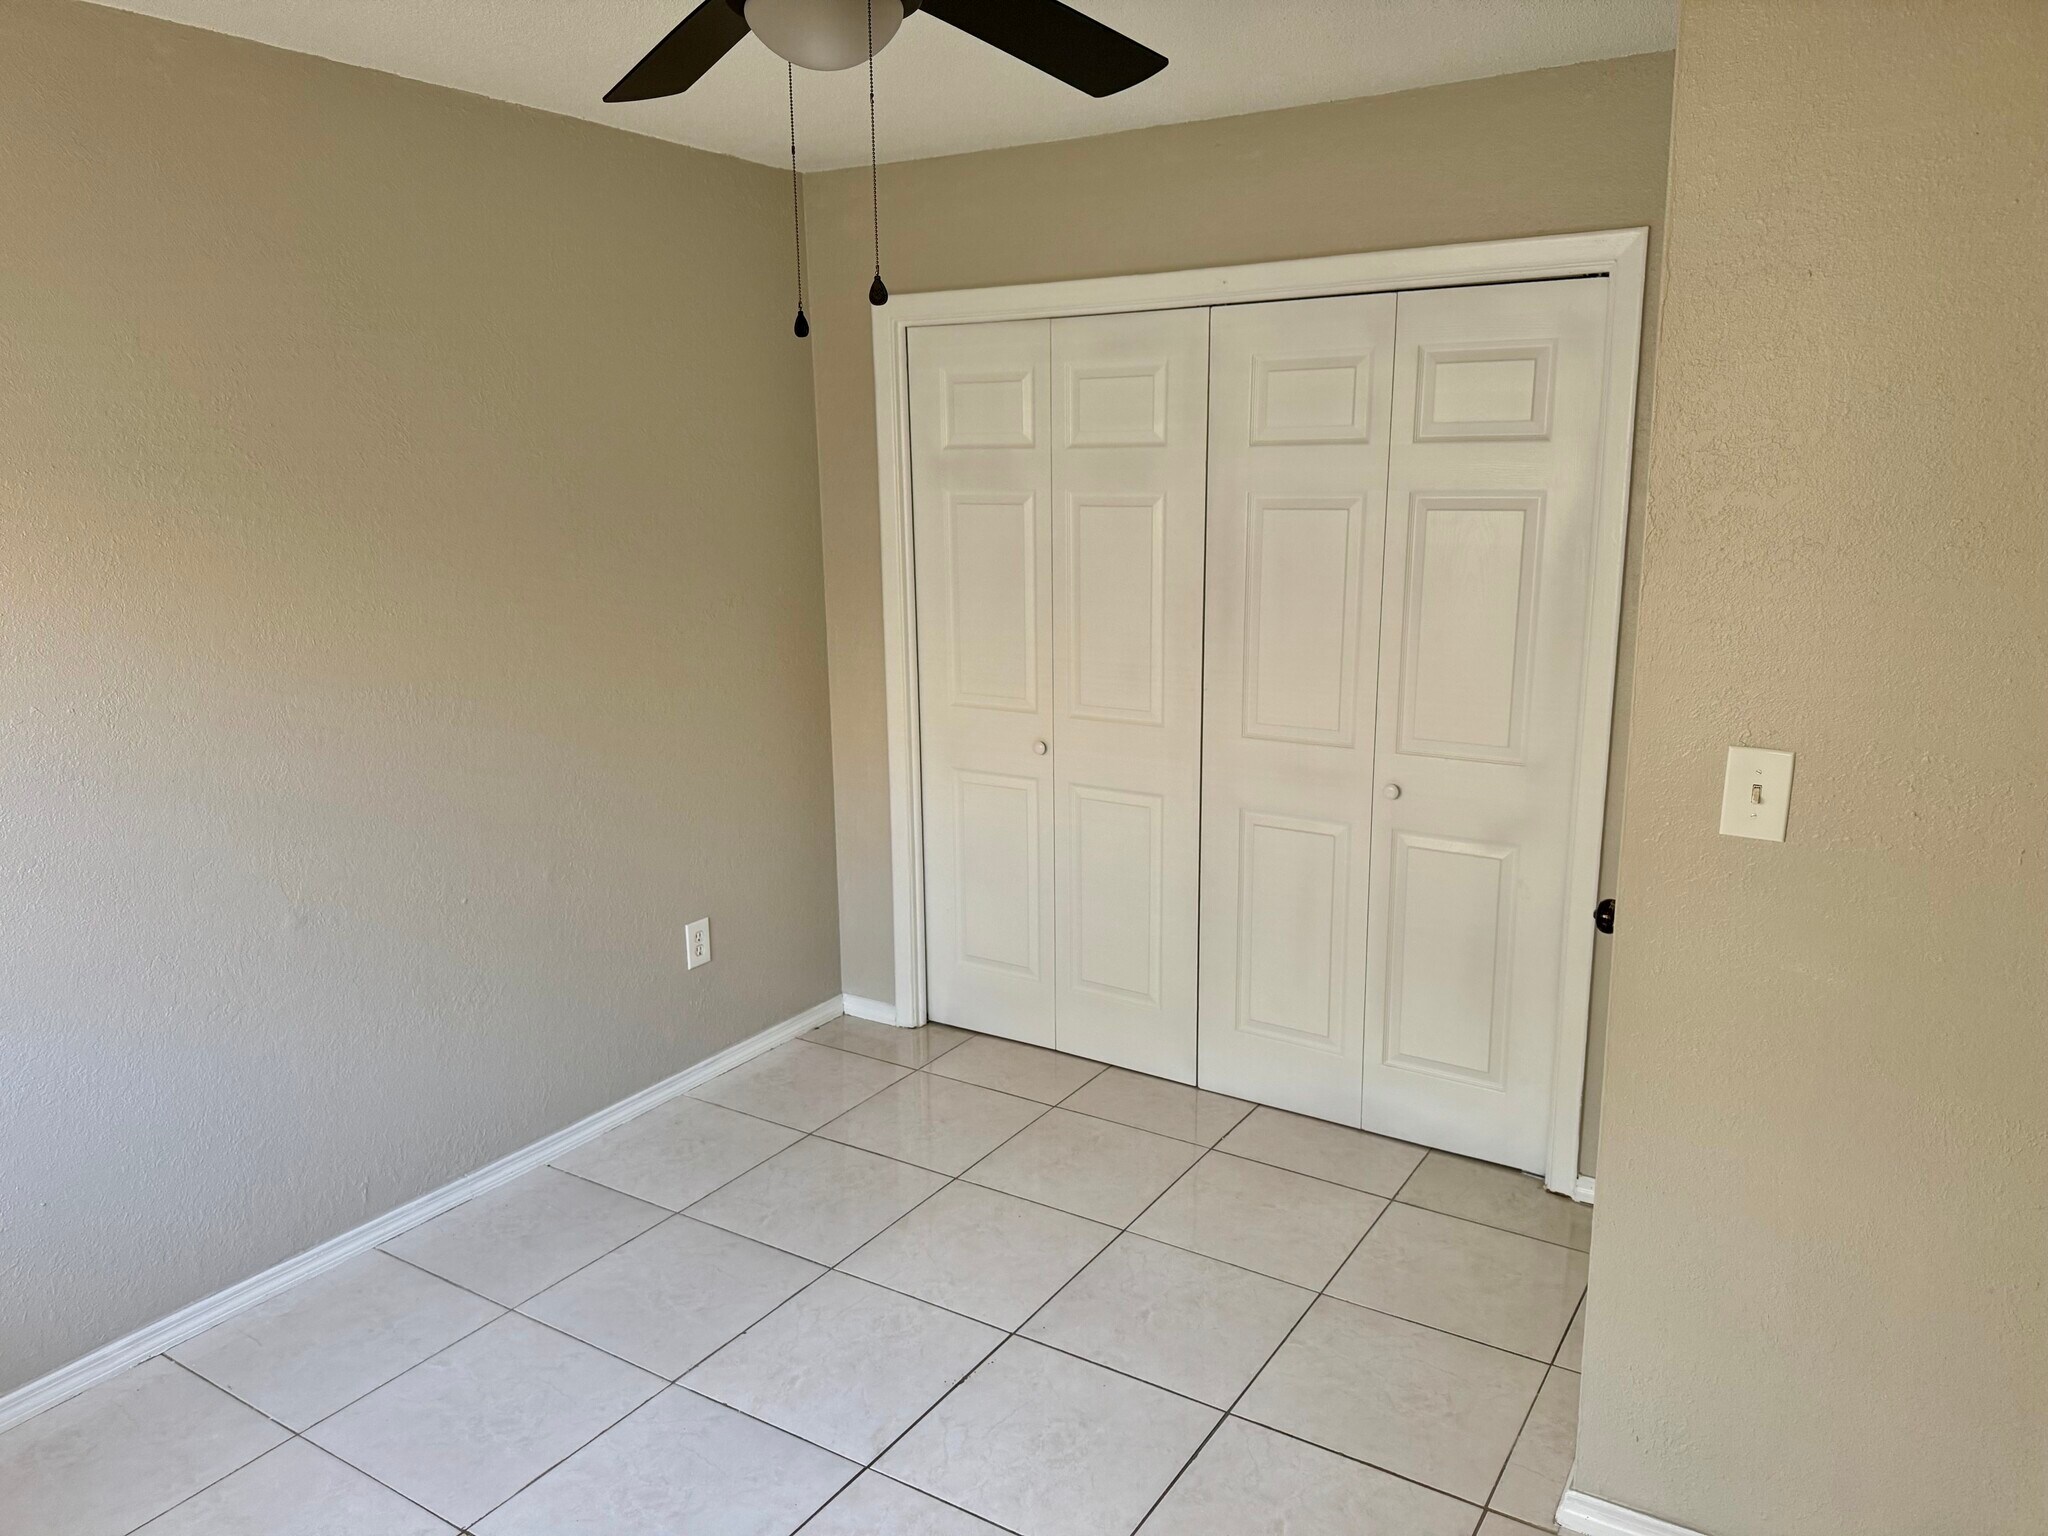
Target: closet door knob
1392, 791
1038, 748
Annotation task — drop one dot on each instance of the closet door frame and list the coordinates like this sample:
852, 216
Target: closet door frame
1620, 255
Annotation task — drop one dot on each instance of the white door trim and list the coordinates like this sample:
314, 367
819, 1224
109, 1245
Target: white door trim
1621, 255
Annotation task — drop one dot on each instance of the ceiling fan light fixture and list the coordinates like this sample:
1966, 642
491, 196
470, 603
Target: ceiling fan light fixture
822, 34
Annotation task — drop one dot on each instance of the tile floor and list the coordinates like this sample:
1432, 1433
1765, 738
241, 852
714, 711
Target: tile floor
881, 1282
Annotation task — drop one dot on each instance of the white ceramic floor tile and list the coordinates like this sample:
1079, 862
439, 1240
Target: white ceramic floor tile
470, 1427
297, 1490
1501, 1525
872, 1505
673, 1295
1048, 1445
1375, 1164
1192, 1324
678, 1152
819, 1199
799, 1084
1542, 1460
1573, 1349
1498, 1197
847, 1365
1282, 1224
681, 1466
325, 1342
981, 1252
1094, 1168
885, 1042
1500, 1288
101, 1463
1427, 1405
1154, 1104
520, 1238
1009, 1067
1249, 1481
934, 1122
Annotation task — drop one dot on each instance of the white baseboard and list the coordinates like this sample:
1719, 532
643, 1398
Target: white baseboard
1583, 1515
867, 1008
163, 1334
1583, 1190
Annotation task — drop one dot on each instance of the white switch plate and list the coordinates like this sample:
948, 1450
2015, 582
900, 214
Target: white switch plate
1756, 793
697, 942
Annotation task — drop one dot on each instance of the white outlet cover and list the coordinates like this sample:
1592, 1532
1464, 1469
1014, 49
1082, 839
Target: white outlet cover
697, 943
1756, 794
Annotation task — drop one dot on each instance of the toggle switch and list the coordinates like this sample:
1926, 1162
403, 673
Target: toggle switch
1756, 793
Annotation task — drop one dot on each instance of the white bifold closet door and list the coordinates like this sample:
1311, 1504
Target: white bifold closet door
981, 488
1297, 524
1401, 520
1484, 633
1058, 479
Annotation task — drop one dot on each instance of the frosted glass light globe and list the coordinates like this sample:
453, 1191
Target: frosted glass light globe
822, 34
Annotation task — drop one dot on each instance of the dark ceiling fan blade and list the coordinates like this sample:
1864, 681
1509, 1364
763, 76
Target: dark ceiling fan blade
1055, 38
679, 60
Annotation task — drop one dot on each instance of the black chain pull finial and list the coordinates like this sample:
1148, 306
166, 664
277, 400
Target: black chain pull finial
878, 291
796, 209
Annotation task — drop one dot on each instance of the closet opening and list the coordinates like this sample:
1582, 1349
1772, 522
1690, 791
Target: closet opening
1251, 645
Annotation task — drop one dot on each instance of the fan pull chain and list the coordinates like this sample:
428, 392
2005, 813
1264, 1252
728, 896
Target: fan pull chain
796, 209
878, 291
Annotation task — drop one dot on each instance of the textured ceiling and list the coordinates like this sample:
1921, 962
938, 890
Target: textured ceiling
942, 92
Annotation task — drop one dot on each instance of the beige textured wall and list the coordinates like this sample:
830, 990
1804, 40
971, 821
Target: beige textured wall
1540, 153
411, 597
1820, 1287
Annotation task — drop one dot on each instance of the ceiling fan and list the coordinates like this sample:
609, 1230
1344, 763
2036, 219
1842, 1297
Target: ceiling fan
834, 34
838, 34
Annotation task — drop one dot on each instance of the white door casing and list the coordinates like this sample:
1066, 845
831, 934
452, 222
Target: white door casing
1621, 255
1484, 628
1297, 499
981, 487
1129, 421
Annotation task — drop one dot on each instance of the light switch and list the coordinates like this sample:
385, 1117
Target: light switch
1756, 793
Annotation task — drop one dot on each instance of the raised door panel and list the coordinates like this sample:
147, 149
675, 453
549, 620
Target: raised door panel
1303, 561
1484, 636
1450, 949
981, 506
1470, 612
1483, 394
998, 818
1312, 399
988, 408
1119, 888
991, 598
1292, 879
1299, 425
1115, 610
1131, 408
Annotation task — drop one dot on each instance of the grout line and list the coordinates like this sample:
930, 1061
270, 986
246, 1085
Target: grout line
1557, 1353
290, 1435
1251, 1381
585, 1445
1521, 1429
1494, 1227
899, 1029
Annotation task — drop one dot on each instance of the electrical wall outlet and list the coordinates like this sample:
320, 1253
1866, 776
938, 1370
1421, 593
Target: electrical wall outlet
697, 942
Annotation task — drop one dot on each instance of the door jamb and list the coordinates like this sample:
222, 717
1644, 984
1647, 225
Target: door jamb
1620, 255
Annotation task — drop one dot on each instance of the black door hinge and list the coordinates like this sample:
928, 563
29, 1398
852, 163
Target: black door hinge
1603, 916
